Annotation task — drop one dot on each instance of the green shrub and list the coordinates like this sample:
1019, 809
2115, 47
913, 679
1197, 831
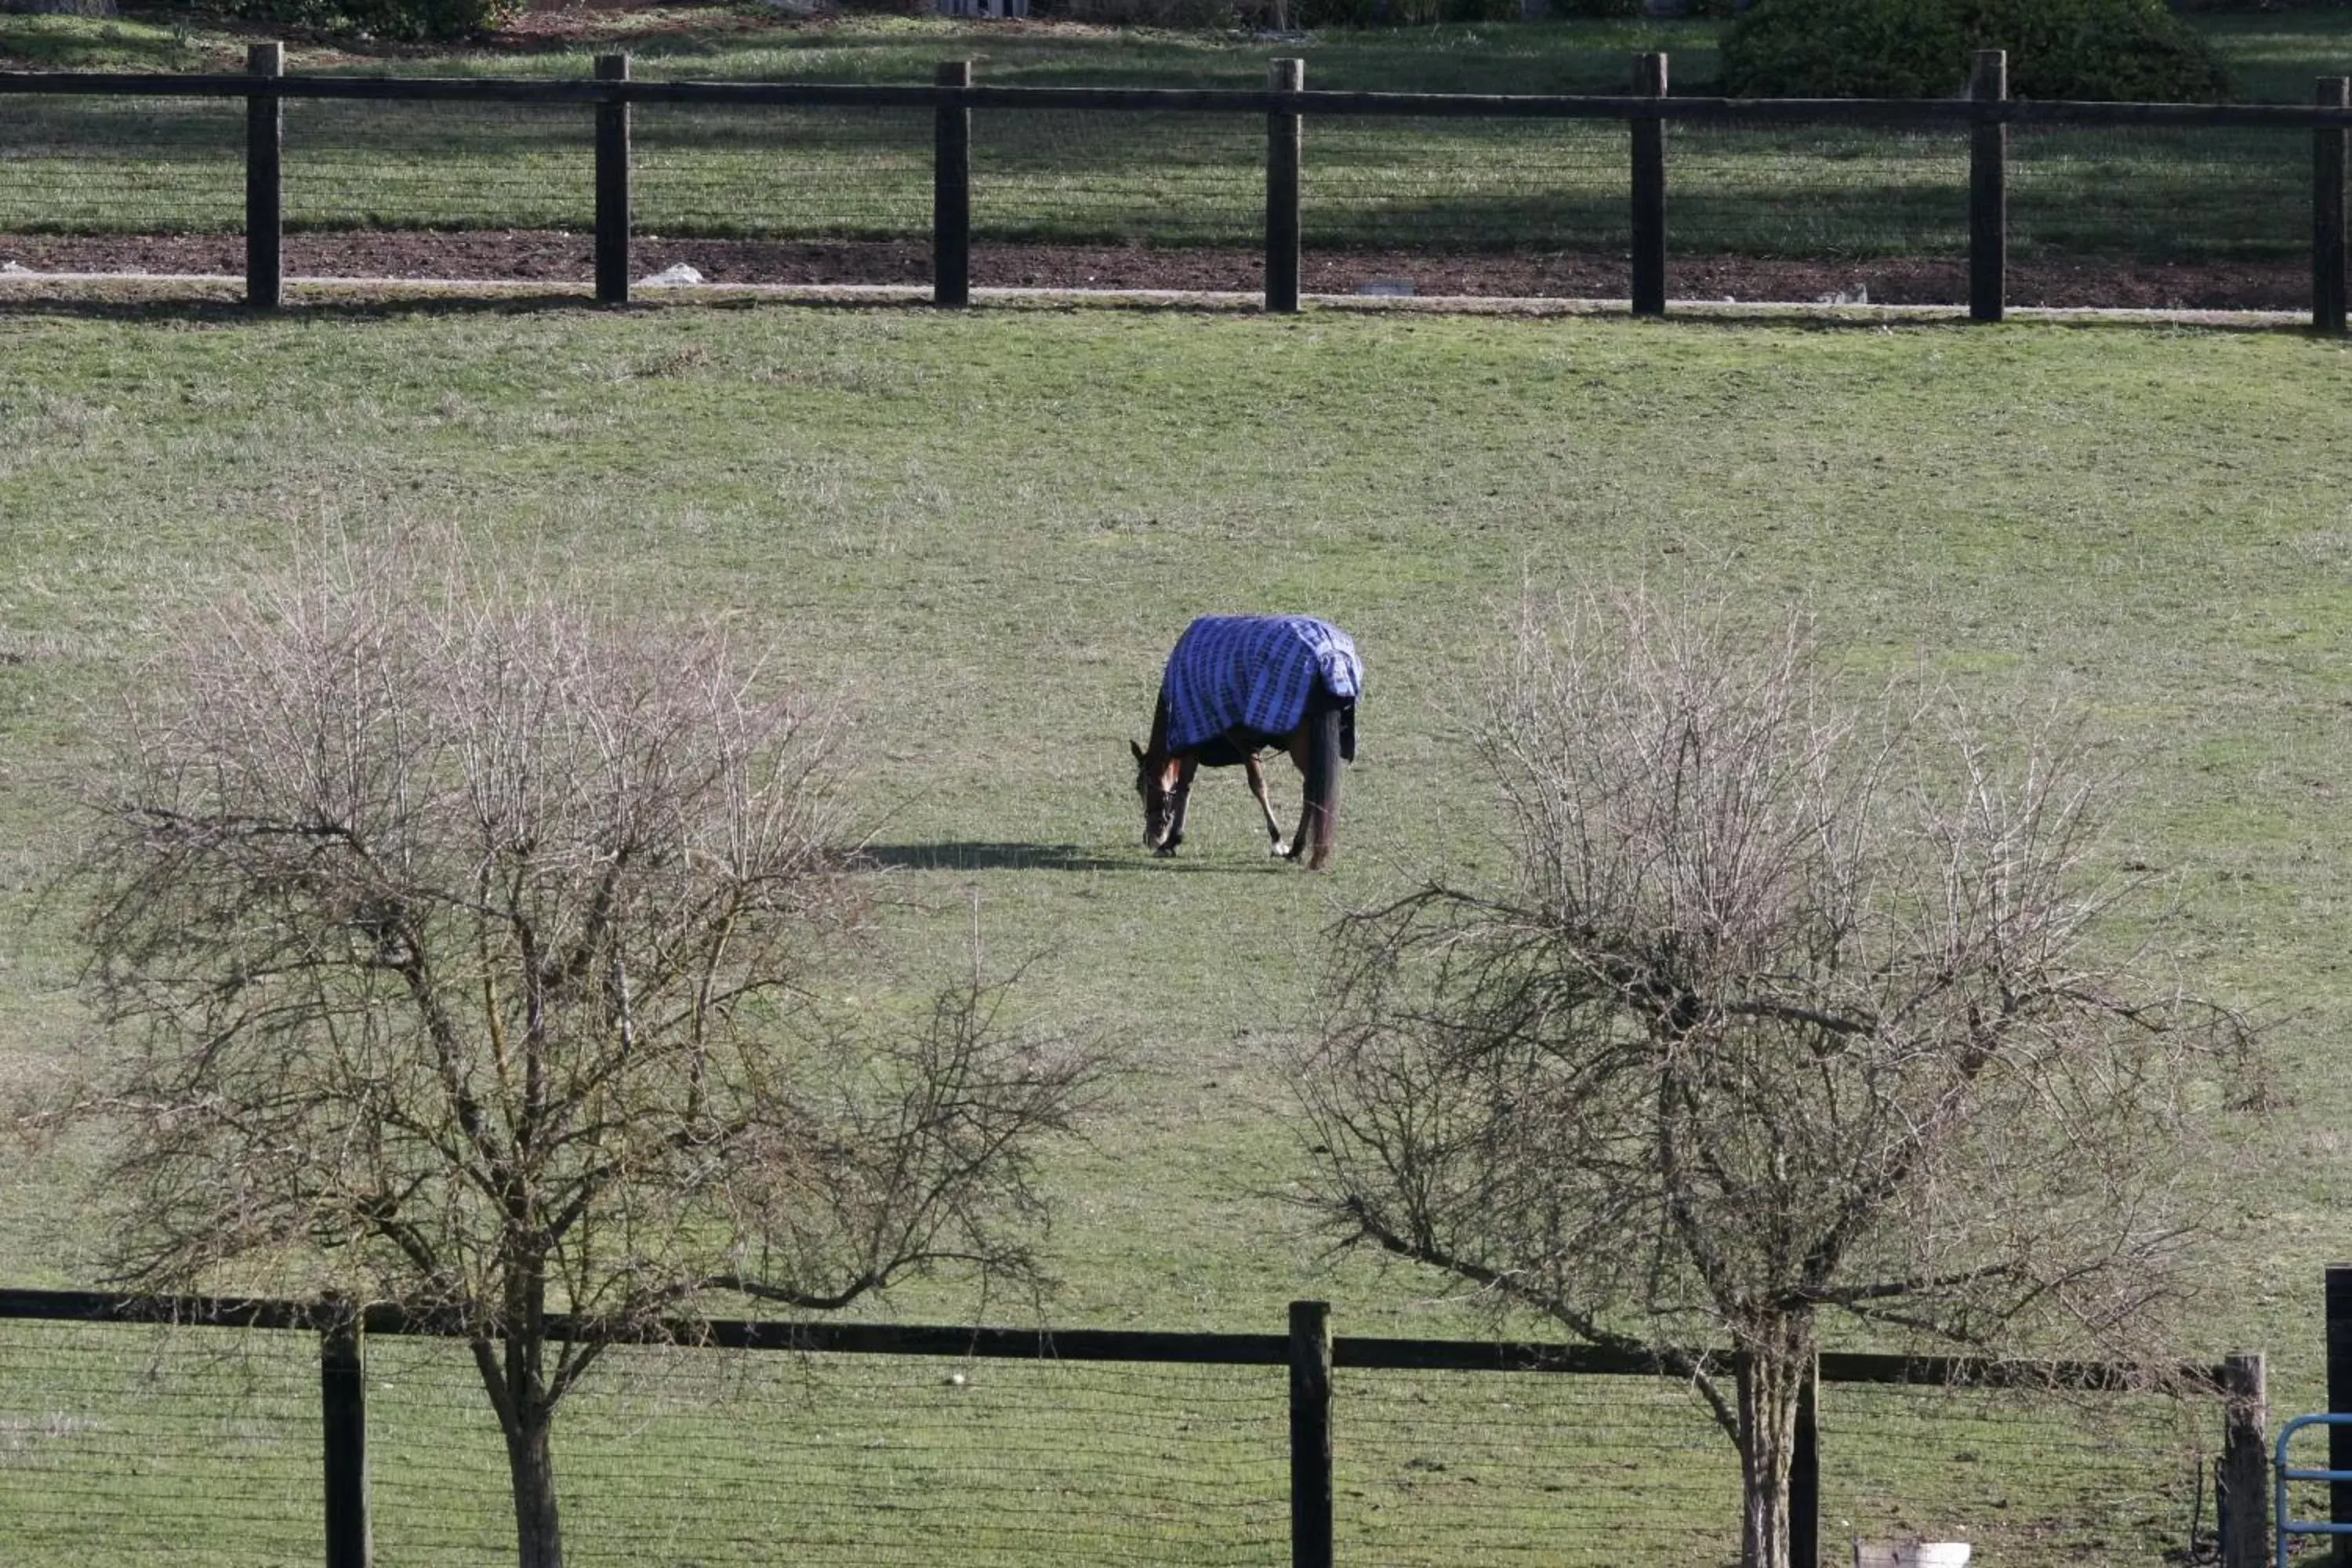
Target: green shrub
1152, 13
1403, 13
1844, 49
2095, 50
2261, 7
1316, 14
405, 20
1919, 48
1597, 7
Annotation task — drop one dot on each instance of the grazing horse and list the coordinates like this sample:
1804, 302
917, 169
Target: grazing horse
1239, 685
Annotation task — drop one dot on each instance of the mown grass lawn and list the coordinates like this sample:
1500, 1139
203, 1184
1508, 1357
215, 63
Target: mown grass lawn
986, 529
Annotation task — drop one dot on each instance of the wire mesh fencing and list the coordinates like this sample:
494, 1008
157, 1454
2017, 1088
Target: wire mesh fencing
2028, 1478
123, 1445
1070, 187
89, 164
126, 1442
1451, 1467
785, 173
2159, 192
1168, 180
1450, 184
719, 1457
370, 163
1818, 192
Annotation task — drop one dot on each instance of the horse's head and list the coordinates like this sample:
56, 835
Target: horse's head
1155, 776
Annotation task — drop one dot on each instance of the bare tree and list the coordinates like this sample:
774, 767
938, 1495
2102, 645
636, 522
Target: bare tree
1794, 1006
456, 949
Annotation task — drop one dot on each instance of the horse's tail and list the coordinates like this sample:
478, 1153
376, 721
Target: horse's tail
1324, 716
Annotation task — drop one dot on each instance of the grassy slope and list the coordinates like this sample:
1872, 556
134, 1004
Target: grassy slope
898, 502
988, 528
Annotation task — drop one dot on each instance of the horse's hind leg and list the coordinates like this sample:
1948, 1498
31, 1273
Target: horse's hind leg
1257, 788
1314, 748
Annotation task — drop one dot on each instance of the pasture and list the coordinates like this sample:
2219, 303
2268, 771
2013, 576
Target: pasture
986, 531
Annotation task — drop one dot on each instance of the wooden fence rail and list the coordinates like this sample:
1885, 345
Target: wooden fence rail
1308, 1350
1288, 103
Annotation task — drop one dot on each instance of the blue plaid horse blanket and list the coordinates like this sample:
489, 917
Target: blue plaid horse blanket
1253, 673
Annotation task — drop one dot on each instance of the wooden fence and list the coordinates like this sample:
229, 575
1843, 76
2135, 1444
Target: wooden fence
1308, 1350
1986, 114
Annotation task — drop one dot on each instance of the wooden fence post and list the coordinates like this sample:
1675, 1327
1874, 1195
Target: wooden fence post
1805, 1474
265, 183
1988, 191
2328, 145
343, 1402
1285, 135
1649, 191
1310, 1435
951, 190
2242, 1484
612, 186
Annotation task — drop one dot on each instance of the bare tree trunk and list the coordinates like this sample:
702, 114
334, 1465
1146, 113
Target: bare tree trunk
538, 1536
1771, 1381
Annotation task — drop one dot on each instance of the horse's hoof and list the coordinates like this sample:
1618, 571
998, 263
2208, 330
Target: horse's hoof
1280, 851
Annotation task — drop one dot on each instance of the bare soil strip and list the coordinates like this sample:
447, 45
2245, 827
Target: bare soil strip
542, 256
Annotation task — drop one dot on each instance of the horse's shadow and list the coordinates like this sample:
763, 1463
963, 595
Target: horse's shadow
964, 855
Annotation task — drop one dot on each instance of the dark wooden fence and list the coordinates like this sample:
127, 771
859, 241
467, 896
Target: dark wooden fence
1986, 114
1308, 1350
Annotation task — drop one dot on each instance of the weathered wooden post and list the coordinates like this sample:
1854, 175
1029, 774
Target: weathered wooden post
1650, 191
1310, 1435
265, 183
612, 186
951, 189
1989, 189
2328, 145
1805, 1474
342, 1403
1284, 142
2244, 1481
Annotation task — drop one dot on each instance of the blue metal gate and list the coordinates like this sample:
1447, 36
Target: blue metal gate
2288, 1525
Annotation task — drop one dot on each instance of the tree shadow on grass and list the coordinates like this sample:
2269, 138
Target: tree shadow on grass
135, 302
968, 855
97, 300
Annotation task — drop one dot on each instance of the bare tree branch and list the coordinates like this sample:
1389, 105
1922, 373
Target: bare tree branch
1791, 1004
457, 950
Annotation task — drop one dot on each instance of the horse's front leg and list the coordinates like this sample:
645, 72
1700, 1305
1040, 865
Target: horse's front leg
1178, 799
1257, 788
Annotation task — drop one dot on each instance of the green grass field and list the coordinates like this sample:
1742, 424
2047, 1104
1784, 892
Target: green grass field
988, 529
94, 165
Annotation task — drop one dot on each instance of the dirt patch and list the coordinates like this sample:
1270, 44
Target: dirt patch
542, 256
